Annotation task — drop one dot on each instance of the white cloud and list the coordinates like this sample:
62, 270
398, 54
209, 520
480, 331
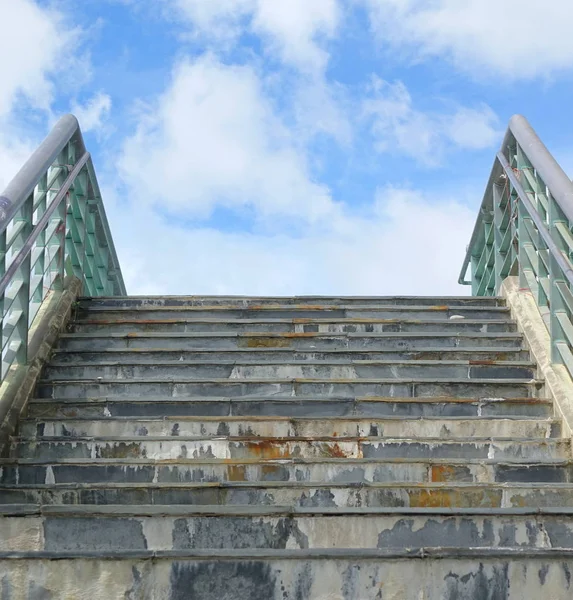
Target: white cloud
33, 41
393, 249
219, 19
398, 125
15, 150
293, 28
94, 112
514, 38
34, 46
213, 139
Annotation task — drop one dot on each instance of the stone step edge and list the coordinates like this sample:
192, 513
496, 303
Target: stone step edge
286, 485
287, 439
526, 462
215, 308
485, 554
282, 419
297, 399
160, 298
313, 334
306, 363
383, 380
285, 461
309, 320
155, 510
279, 350
299, 321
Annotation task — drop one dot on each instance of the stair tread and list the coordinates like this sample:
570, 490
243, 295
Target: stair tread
312, 334
250, 554
506, 381
294, 438
259, 419
306, 363
113, 510
290, 460
298, 399
274, 485
323, 307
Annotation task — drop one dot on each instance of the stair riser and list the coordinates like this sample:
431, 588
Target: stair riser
94, 304
259, 448
176, 371
234, 388
286, 355
407, 324
307, 497
104, 534
304, 342
298, 312
455, 578
340, 474
287, 408
304, 428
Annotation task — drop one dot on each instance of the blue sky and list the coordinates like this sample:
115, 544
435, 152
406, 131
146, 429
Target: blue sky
287, 146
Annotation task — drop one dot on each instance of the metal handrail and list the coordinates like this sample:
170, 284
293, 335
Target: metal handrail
563, 263
52, 224
551, 172
22, 185
525, 228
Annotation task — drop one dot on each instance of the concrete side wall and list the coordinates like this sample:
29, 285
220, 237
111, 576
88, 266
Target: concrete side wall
21, 380
558, 383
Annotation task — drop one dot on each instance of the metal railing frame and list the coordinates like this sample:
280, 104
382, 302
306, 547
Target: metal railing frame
52, 224
525, 229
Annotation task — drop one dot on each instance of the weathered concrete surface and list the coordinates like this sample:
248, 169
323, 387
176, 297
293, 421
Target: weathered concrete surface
19, 384
164, 528
482, 577
317, 472
478, 427
297, 341
395, 387
439, 302
332, 406
365, 369
453, 494
227, 447
290, 449
477, 353
557, 380
323, 311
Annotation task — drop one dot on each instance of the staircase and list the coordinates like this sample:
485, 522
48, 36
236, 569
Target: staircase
288, 448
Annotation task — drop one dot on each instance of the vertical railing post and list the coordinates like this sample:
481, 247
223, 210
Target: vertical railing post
20, 307
556, 303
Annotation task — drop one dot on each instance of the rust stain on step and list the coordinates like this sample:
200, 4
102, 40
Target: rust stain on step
448, 498
237, 473
258, 342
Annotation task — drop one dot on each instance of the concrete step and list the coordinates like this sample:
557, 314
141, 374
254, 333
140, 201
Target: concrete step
300, 494
108, 528
337, 472
337, 574
407, 323
87, 407
177, 447
247, 301
284, 355
286, 427
277, 311
290, 387
253, 369
295, 341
